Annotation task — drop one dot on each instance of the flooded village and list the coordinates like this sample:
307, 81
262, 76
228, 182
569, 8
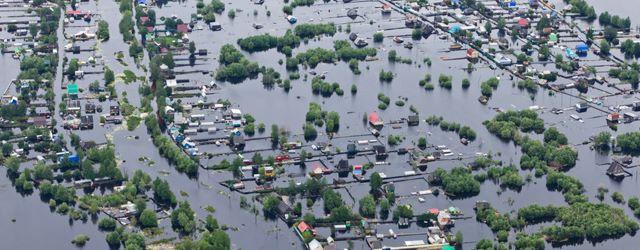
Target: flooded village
328, 124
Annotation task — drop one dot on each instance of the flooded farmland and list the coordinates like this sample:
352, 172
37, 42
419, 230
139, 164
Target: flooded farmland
471, 124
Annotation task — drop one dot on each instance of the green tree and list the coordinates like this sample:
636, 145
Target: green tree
148, 219
109, 76
368, 206
183, 219
375, 182
13, 165
211, 224
605, 47
270, 206
113, 240
332, 200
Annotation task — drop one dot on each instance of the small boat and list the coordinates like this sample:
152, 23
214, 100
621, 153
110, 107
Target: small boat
398, 39
360, 42
257, 26
464, 141
291, 19
408, 45
455, 46
483, 99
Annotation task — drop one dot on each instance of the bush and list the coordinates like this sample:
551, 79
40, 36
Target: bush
378, 37
466, 83
107, 224
386, 76
617, 197
80, 240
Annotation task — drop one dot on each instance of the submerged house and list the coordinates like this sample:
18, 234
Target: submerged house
581, 107
237, 140
73, 106
285, 211
381, 152
413, 120
86, 122
419, 161
375, 121
351, 150
616, 170
215, 26
343, 168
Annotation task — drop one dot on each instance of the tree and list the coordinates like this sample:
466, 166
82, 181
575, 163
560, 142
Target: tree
501, 24
467, 133
113, 240
416, 34
484, 244
332, 200
602, 141
488, 27
590, 34
109, 76
210, 223
458, 238
163, 194
148, 219
553, 135
183, 219
42, 172
134, 241
384, 208
13, 165
341, 214
610, 34
375, 182
103, 30
310, 132
192, 47
275, 134
368, 206
402, 211
605, 47
270, 206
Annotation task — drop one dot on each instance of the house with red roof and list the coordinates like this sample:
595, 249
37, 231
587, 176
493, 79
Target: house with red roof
305, 229
375, 120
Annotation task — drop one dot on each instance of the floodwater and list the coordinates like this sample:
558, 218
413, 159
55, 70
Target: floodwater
33, 220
